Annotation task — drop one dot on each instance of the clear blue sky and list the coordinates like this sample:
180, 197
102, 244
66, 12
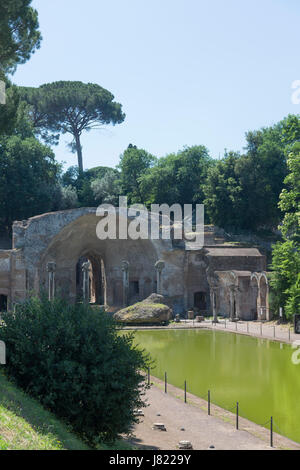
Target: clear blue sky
186, 71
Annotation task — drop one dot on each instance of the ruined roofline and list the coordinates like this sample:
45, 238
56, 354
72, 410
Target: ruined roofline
208, 228
89, 210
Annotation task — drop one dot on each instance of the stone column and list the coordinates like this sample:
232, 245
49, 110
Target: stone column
214, 303
125, 271
51, 267
232, 299
268, 313
159, 266
86, 267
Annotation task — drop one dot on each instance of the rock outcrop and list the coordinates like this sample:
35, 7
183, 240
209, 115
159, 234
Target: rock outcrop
151, 311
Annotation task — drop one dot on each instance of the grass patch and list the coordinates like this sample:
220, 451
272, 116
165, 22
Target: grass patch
26, 425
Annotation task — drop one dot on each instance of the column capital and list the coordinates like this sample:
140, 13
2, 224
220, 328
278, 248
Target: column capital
159, 265
234, 288
51, 267
125, 265
86, 266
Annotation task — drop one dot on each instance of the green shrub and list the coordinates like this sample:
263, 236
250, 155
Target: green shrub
72, 359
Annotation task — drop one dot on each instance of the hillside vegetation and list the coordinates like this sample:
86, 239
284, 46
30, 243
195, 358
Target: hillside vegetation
26, 425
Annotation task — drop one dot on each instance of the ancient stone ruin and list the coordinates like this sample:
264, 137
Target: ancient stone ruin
59, 253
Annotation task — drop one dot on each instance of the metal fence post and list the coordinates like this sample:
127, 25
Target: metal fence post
185, 391
260, 328
237, 415
166, 382
289, 333
148, 375
274, 332
208, 403
271, 432
247, 327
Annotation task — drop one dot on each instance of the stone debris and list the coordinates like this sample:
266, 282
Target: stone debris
185, 445
159, 427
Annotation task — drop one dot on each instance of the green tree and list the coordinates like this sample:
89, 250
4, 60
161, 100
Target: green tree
28, 176
71, 107
14, 118
222, 191
66, 198
242, 191
285, 279
177, 178
134, 163
19, 34
261, 174
108, 188
94, 186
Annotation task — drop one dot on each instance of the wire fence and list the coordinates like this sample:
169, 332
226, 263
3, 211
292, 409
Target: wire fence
255, 328
235, 409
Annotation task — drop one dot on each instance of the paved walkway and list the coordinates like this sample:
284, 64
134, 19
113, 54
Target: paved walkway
201, 430
268, 330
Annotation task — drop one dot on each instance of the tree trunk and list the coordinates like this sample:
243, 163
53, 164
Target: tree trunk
79, 152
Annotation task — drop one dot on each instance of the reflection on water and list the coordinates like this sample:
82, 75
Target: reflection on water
257, 373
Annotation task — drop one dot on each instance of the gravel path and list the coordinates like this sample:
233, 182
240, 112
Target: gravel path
200, 429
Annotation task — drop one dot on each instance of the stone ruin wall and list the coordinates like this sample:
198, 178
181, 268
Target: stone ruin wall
65, 236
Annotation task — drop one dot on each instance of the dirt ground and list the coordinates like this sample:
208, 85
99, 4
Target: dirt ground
190, 422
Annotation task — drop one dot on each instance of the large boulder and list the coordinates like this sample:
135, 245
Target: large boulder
155, 299
151, 311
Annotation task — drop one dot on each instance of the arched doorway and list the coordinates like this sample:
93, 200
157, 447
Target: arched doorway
3, 303
134, 291
96, 279
200, 302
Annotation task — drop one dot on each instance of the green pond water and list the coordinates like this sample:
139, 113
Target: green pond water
257, 373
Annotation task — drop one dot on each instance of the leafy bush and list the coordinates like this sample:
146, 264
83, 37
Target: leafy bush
74, 361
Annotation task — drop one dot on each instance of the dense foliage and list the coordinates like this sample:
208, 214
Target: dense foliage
286, 254
94, 186
242, 191
134, 164
178, 177
74, 361
29, 173
19, 34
